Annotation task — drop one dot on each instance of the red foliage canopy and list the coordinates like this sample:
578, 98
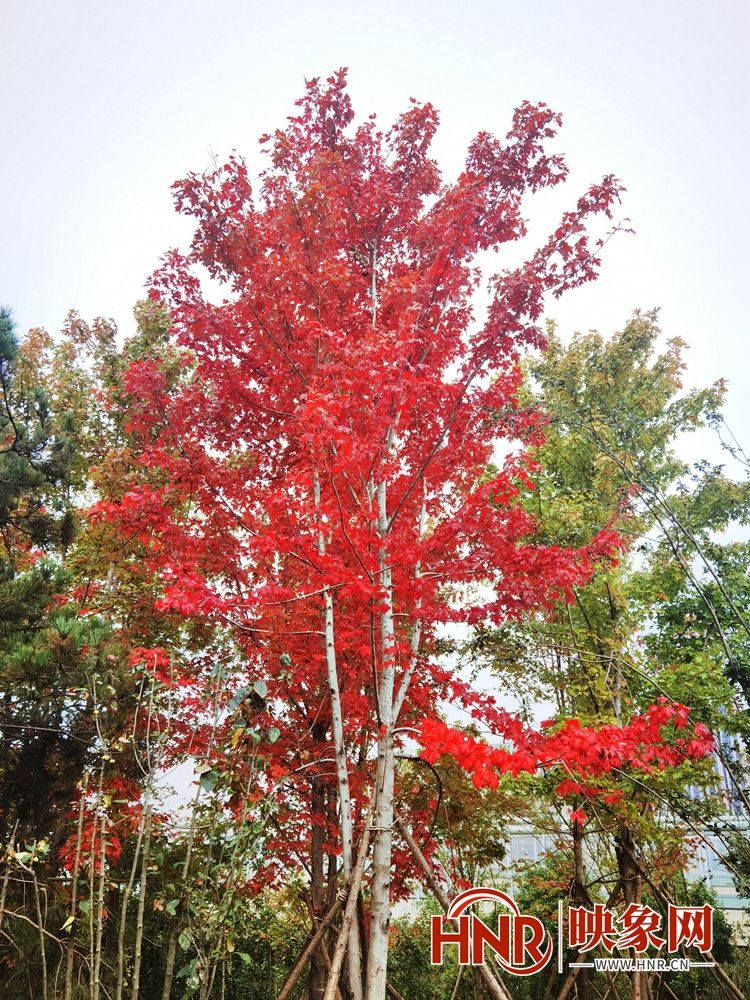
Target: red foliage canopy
337, 426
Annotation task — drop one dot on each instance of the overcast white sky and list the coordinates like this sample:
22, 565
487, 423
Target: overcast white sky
104, 104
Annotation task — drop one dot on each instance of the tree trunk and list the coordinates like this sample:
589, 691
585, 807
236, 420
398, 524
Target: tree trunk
141, 905
169, 964
477, 983
380, 887
309, 949
40, 925
581, 898
354, 965
494, 987
100, 906
631, 889
70, 944
350, 911
124, 911
318, 970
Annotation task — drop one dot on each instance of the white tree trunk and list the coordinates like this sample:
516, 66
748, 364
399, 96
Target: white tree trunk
380, 889
354, 963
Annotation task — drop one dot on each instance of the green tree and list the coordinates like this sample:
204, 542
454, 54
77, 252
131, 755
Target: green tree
665, 622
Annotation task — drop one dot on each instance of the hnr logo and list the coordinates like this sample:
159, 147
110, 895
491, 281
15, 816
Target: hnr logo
521, 945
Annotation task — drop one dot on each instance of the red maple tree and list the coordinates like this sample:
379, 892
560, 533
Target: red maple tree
341, 458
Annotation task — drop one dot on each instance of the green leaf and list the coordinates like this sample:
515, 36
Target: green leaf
244, 956
84, 906
273, 734
237, 698
171, 907
183, 940
285, 659
186, 970
208, 780
260, 688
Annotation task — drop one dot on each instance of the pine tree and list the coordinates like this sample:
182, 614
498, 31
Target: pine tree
38, 638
